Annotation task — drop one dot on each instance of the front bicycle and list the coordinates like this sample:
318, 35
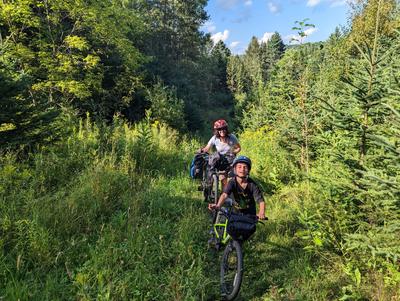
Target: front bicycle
232, 231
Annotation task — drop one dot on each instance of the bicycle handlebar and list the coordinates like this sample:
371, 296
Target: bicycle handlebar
226, 213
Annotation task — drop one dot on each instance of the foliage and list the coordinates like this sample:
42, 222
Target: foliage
166, 107
272, 165
87, 216
23, 121
333, 109
301, 28
107, 211
73, 52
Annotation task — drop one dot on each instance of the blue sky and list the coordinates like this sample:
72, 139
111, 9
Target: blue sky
236, 21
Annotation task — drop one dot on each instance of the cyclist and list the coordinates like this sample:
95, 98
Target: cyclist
225, 144
244, 190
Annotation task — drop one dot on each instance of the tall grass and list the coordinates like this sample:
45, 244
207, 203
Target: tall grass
107, 213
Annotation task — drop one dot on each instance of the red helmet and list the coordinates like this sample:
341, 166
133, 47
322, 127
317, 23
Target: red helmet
220, 123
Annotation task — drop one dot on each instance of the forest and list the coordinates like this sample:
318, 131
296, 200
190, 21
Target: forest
103, 104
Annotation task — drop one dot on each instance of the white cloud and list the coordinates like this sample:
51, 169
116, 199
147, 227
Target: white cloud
266, 37
274, 7
296, 39
248, 2
234, 44
335, 3
291, 39
209, 26
310, 31
313, 3
220, 36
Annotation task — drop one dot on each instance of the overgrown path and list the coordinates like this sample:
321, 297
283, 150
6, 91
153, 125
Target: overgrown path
276, 265
111, 214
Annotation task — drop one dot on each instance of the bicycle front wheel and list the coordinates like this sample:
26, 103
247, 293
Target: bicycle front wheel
215, 191
231, 270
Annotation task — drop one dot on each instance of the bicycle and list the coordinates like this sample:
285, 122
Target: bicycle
232, 231
210, 184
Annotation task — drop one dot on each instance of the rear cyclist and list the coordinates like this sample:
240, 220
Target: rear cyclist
225, 144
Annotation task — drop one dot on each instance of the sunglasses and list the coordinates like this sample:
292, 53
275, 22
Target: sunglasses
222, 129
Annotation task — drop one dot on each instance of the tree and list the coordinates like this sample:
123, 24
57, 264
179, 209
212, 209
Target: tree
270, 52
220, 54
24, 120
252, 62
76, 54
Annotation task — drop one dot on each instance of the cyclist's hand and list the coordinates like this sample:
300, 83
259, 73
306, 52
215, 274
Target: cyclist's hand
212, 206
230, 155
261, 216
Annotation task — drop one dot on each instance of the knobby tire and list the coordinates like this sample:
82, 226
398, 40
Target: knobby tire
231, 270
215, 188
214, 194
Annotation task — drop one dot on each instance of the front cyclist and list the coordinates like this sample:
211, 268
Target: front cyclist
225, 144
244, 190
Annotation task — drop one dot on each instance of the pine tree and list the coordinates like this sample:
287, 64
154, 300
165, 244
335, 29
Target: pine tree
270, 52
252, 63
365, 117
24, 121
220, 54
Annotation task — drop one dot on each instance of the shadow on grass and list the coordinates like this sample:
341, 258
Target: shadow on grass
266, 264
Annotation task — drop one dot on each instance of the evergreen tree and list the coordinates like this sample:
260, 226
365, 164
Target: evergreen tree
252, 62
220, 54
364, 142
24, 120
270, 52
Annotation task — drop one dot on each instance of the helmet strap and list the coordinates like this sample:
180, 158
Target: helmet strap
245, 177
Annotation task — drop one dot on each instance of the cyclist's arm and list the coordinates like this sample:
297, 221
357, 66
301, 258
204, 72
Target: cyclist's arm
210, 143
236, 148
257, 194
206, 148
261, 211
221, 201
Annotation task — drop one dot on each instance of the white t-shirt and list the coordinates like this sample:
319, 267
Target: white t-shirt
223, 147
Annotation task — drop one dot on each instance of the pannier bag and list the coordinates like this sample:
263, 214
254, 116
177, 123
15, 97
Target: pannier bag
198, 163
220, 162
241, 227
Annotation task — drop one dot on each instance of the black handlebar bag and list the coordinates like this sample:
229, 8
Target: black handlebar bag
241, 227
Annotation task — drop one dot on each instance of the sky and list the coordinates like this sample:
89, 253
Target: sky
236, 21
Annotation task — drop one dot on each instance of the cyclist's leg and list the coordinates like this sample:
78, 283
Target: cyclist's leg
223, 177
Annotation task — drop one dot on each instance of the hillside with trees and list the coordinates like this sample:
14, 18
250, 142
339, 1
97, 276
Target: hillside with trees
102, 105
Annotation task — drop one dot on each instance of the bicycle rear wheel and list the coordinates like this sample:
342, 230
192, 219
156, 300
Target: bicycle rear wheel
231, 270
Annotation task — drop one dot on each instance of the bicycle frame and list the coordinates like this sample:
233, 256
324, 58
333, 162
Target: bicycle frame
225, 236
217, 227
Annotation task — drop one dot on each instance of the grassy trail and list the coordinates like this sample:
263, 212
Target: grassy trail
276, 265
115, 216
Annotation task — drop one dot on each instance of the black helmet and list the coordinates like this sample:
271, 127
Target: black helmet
242, 159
